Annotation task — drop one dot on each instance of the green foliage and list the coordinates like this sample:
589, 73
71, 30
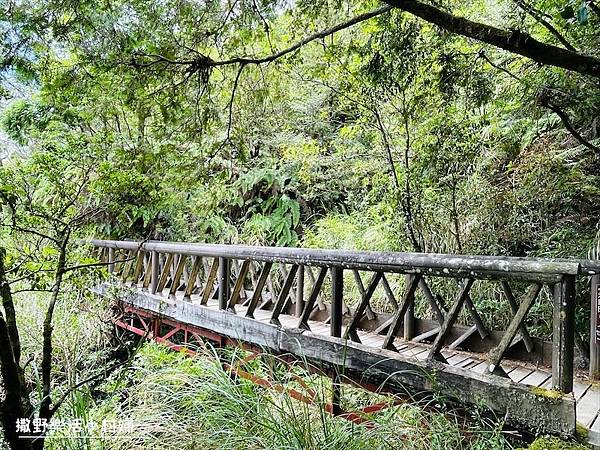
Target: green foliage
353, 232
388, 135
20, 117
552, 443
385, 127
304, 140
269, 214
183, 402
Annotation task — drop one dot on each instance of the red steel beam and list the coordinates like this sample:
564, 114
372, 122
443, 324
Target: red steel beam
356, 417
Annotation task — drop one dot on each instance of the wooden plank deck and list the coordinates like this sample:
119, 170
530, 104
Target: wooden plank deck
587, 395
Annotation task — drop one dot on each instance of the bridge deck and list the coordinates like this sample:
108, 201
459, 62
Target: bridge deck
301, 300
586, 394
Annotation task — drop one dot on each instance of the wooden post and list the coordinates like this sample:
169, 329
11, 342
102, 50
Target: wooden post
103, 254
223, 282
337, 288
595, 330
409, 320
111, 260
174, 266
337, 292
284, 295
154, 267
563, 334
300, 292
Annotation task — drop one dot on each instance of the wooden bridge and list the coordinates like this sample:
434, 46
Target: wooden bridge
378, 319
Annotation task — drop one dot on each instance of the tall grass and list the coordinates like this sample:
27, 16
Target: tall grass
178, 402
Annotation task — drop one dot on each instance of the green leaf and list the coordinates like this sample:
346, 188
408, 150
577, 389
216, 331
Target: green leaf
49, 251
295, 209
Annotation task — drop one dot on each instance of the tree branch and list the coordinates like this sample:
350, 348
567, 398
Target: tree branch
231, 100
482, 54
12, 408
47, 330
39, 234
31, 290
100, 374
514, 41
538, 16
388, 149
545, 101
319, 35
203, 61
9, 310
98, 264
29, 275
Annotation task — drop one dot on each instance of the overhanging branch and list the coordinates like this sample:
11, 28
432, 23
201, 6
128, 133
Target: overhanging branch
203, 61
568, 125
319, 35
514, 41
539, 17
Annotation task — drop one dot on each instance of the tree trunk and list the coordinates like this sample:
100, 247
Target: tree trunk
12, 408
45, 410
13, 333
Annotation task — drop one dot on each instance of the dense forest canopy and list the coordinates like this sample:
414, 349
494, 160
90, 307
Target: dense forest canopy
433, 125
321, 123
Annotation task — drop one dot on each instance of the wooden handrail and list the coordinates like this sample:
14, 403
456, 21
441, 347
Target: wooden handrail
559, 275
438, 264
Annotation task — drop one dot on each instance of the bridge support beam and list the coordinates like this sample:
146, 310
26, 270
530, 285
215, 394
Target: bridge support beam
521, 405
563, 334
223, 283
111, 260
155, 274
337, 294
595, 329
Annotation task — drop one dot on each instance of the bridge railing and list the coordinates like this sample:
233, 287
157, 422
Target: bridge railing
208, 271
